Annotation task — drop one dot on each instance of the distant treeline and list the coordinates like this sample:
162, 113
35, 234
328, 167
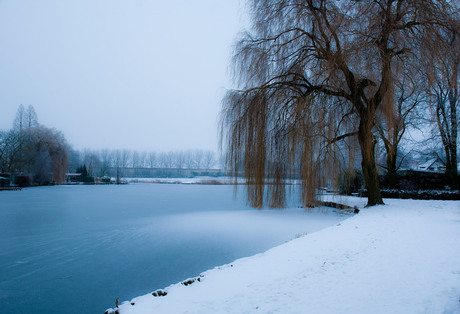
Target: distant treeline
38, 155
166, 173
100, 163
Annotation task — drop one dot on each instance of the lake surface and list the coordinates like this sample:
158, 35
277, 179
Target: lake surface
75, 249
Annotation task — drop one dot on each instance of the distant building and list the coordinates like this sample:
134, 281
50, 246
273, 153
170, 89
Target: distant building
5, 180
432, 165
72, 177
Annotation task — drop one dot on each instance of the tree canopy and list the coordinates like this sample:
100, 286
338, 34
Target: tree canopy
33, 149
312, 73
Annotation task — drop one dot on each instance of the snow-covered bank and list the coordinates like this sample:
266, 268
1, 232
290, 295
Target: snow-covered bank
403, 257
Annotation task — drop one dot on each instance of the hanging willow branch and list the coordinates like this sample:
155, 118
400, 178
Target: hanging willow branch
312, 73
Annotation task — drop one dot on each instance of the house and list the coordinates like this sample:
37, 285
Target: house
432, 165
72, 177
5, 180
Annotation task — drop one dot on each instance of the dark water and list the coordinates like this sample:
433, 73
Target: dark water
75, 249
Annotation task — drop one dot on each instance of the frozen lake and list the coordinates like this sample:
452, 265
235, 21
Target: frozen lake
75, 249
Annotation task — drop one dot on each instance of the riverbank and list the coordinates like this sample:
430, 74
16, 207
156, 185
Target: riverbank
402, 257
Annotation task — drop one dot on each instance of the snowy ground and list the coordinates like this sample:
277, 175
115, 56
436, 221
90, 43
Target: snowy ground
403, 257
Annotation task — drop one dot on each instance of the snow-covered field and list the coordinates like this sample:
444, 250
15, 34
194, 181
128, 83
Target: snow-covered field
403, 257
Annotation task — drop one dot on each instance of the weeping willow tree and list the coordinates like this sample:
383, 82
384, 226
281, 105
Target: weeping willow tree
311, 73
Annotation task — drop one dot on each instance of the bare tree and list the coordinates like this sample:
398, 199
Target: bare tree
392, 126
198, 158
92, 160
152, 159
209, 159
106, 162
143, 159
31, 117
180, 159
25, 118
135, 159
169, 159
11, 143
189, 161
125, 157
166, 160
20, 119
118, 164
116, 158
313, 72
443, 69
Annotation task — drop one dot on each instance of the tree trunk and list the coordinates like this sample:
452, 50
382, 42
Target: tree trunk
391, 168
451, 167
446, 115
367, 145
453, 174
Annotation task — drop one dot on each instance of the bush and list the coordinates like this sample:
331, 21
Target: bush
420, 194
350, 181
22, 181
410, 180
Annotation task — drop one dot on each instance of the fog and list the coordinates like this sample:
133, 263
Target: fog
145, 75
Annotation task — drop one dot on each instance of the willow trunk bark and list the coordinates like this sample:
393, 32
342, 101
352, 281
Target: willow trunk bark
367, 145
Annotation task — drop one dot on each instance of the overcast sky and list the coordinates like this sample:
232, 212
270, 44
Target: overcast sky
135, 74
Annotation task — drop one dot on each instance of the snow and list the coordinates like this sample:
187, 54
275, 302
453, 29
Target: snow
403, 257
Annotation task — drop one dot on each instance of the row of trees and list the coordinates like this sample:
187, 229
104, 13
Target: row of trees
319, 80
43, 154
33, 150
98, 162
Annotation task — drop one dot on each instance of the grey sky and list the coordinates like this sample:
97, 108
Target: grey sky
136, 74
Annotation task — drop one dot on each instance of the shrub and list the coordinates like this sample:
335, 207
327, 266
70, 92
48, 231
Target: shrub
350, 181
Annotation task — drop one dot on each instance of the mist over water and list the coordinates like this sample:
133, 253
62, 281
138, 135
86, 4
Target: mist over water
75, 249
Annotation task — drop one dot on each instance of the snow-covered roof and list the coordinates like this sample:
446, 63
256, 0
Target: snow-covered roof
429, 163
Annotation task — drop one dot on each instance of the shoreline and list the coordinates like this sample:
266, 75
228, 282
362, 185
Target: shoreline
383, 260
